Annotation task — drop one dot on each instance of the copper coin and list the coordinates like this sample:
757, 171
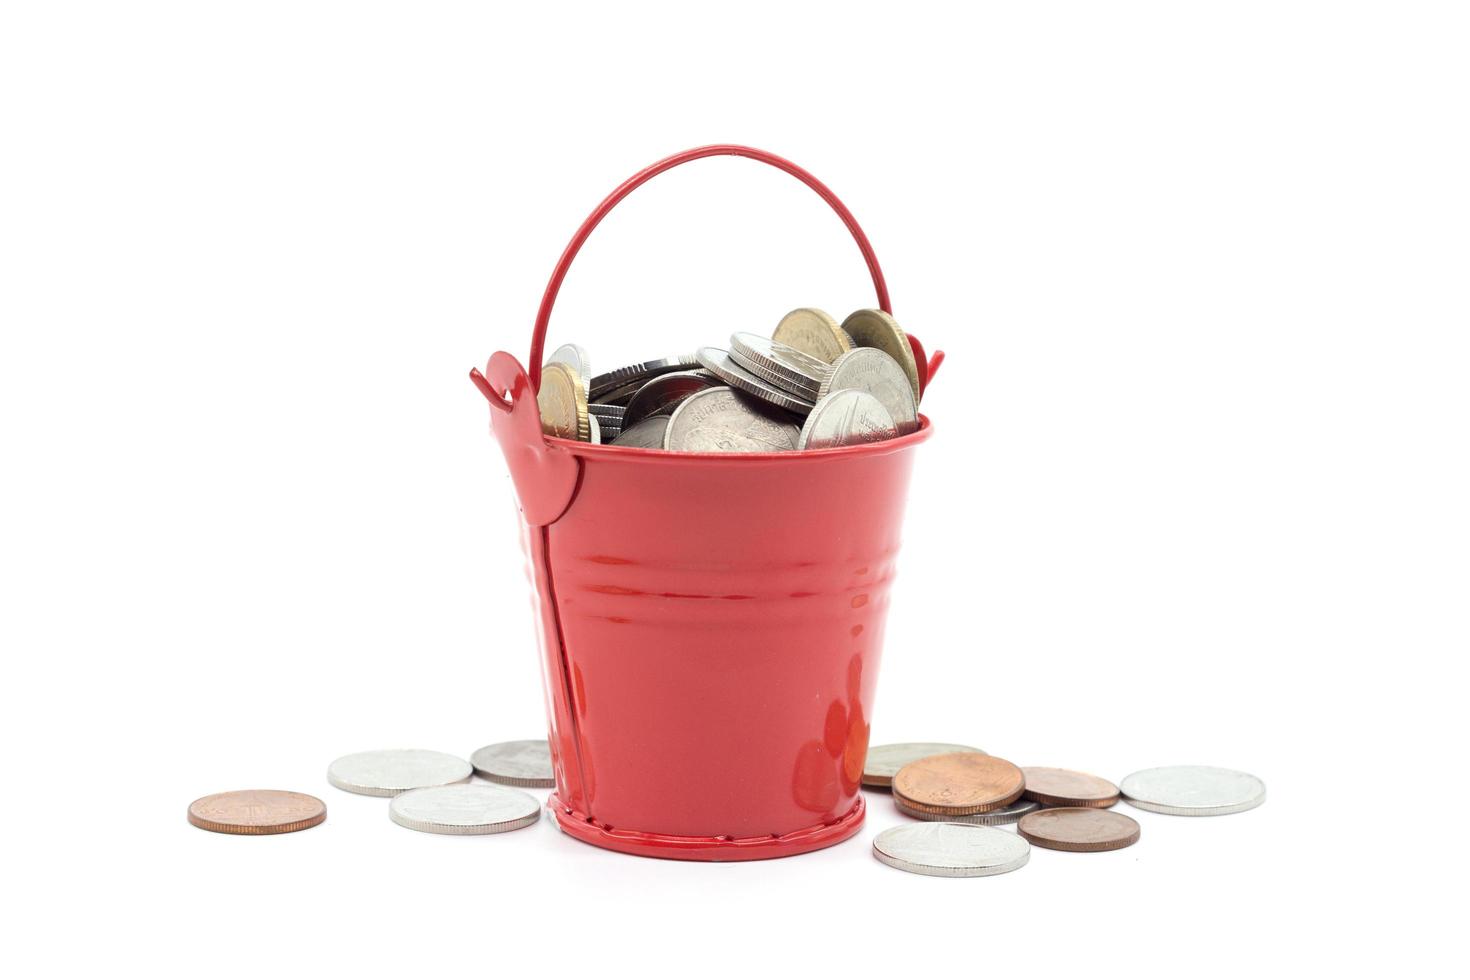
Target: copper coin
257, 811
1079, 828
959, 783
1067, 787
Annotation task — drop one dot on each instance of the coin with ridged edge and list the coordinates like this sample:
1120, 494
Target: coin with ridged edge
871, 370
721, 364
879, 330
813, 332
633, 375
389, 772
660, 395
785, 367
1193, 791
951, 850
991, 818
465, 810
257, 812
846, 418
1079, 828
959, 783
562, 401
884, 761
1067, 787
720, 420
523, 763
648, 434
575, 358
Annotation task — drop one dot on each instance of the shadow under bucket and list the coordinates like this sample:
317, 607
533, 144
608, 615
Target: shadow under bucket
711, 624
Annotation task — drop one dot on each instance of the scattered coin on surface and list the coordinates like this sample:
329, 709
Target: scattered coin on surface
991, 818
951, 850
392, 771
846, 418
884, 761
876, 329
1193, 791
719, 420
813, 332
523, 763
464, 810
959, 783
256, 812
1066, 787
1077, 828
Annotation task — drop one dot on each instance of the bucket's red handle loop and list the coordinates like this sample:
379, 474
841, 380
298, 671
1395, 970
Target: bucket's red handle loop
548, 299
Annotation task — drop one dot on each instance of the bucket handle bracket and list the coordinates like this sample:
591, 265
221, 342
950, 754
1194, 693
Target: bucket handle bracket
544, 474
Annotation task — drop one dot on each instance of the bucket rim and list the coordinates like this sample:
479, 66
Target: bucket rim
886, 447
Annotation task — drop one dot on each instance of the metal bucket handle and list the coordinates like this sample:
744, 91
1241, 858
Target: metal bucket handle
545, 475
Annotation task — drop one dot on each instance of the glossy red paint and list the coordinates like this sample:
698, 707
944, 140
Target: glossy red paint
711, 624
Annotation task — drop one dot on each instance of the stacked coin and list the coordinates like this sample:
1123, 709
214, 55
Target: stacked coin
958, 784
814, 384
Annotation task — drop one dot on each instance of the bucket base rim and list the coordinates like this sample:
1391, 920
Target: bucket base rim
676, 848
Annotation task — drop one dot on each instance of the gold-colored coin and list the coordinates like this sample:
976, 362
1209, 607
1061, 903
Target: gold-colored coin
959, 783
813, 332
874, 328
563, 403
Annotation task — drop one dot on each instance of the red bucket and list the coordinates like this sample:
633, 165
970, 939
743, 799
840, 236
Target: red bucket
710, 624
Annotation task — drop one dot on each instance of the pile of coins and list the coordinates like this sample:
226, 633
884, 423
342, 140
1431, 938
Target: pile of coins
965, 794
430, 792
962, 796
814, 384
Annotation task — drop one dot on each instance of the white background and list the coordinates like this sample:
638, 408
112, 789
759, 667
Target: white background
1197, 492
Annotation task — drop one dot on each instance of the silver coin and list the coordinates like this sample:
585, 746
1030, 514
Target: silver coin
636, 374
884, 761
991, 818
783, 366
869, 369
393, 771
725, 367
594, 430
523, 763
606, 412
720, 420
575, 358
846, 418
1193, 791
648, 434
951, 850
474, 809
660, 395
